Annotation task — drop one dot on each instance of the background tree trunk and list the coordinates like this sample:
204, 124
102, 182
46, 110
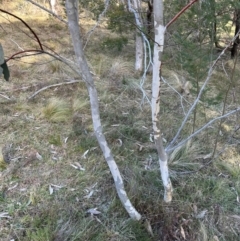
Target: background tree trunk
134, 7
72, 13
53, 5
237, 27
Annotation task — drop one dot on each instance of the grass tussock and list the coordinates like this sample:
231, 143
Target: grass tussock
185, 156
57, 110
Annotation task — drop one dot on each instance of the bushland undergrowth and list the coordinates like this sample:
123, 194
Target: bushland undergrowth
54, 183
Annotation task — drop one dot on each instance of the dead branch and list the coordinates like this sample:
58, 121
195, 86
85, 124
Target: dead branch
51, 86
5, 96
35, 35
210, 72
47, 10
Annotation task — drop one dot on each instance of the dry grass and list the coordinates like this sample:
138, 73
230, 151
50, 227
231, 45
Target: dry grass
51, 181
57, 110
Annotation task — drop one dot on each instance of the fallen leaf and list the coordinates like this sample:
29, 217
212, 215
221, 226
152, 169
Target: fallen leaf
215, 238
201, 214
148, 163
148, 227
195, 209
120, 142
54, 158
93, 211
89, 195
151, 137
182, 232
140, 146
84, 154
164, 140
4, 215
77, 166
39, 157
10, 188
57, 187
207, 156
50, 189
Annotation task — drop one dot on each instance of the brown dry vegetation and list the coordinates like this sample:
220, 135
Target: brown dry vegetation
43, 197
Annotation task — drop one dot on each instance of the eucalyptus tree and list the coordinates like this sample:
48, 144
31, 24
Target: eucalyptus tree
72, 14
159, 30
135, 7
236, 20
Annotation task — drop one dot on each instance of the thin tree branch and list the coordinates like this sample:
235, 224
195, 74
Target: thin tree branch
17, 44
181, 12
25, 51
5, 97
99, 19
39, 42
55, 56
169, 147
47, 10
51, 86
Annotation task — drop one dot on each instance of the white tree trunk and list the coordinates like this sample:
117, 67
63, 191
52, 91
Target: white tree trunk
156, 85
134, 7
139, 52
71, 7
53, 5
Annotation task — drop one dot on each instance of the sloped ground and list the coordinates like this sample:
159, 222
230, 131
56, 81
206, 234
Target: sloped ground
56, 185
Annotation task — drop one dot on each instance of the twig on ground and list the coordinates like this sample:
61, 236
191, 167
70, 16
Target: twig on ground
5, 96
50, 86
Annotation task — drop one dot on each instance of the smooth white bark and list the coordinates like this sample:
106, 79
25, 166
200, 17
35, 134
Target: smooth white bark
134, 7
53, 5
71, 7
156, 85
139, 53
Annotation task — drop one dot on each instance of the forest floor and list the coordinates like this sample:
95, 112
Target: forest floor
54, 182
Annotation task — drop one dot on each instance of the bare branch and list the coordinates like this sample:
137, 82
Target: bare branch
51, 86
17, 44
210, 72
146, 46
99, 20
181, 12
180, 95
39, 42
47, 10
5, 97
201, 129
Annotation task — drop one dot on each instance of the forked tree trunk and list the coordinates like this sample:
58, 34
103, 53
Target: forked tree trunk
159, 30
72, 15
